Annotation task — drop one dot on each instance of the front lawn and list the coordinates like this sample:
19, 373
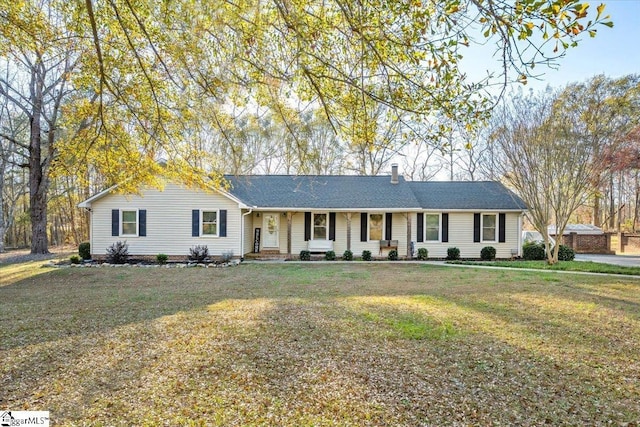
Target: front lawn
320, 344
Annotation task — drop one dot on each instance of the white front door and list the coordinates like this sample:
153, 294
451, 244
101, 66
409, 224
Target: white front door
271, 227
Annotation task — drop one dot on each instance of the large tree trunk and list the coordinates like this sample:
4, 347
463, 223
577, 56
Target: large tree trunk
37, 180
3, 225
38, 214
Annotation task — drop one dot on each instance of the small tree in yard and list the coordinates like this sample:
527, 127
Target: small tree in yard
549, 166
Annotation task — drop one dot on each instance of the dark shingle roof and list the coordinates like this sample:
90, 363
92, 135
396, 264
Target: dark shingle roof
369, 192
319, 192
465, 195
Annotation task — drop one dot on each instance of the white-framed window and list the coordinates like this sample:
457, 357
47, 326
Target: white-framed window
209, 223
376, 225
320, 226
489, 227
432, 227
129, 222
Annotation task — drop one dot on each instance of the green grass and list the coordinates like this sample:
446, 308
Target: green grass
11, 273
320, 344
583, 266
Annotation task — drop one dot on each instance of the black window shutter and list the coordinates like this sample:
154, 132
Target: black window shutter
223, 223
115, 222
363, 226
502, 219
142, 226
445, 227
307, 226
195, 223
332, 226
420, 227
388, 226
476, 227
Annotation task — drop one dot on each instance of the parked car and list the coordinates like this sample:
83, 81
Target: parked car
536, 237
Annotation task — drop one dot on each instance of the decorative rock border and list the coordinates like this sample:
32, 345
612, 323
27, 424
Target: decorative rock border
232, 263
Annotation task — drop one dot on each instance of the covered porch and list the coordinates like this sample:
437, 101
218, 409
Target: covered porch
271, 234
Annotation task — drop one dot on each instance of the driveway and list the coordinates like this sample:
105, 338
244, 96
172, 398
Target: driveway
625, 260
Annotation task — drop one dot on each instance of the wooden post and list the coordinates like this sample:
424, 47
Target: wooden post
348, 215
620, 248
289, 221
409, 254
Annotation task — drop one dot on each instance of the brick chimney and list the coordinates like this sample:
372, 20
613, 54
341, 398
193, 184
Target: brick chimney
394, 173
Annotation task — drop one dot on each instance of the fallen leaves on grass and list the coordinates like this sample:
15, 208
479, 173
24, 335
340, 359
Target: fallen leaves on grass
323, 345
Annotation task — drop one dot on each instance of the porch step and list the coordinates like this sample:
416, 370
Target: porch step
270, 252
266, 256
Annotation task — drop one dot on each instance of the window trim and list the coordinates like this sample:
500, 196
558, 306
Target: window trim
439, 214
313, 226
495, 228
137, 233
382, 227
202, 211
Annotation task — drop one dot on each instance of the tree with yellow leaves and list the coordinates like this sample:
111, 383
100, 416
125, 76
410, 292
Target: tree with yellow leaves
114, 85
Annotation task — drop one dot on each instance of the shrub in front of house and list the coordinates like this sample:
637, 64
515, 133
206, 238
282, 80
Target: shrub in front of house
488, 253
347, 255
162, 258
75, 259
118, 253
423, 254
366, 255
393, 255
532, 251
330, 256
84, 250
227, 256
305, 256
565, 253
453, 254
198, 253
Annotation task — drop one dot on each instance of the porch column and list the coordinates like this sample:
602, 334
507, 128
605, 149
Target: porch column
348, 215
289, 221
409, 255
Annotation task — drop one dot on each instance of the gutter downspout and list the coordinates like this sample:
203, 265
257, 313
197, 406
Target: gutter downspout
520, 217
242, 227
88, 209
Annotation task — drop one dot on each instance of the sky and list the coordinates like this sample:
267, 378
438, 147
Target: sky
614, 52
